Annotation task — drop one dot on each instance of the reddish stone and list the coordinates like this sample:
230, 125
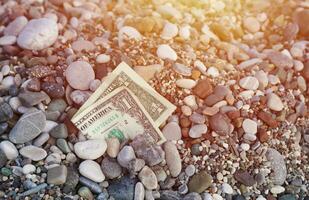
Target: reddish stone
263, 135
34, 85
233, 114
301, 18
203, 88
267, 119
54, 90
213, 99
71, 127
244, 177
100, 71
220, 123
184, 122
185, 132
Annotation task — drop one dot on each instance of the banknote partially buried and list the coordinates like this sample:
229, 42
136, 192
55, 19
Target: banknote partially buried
157, 106
119, 114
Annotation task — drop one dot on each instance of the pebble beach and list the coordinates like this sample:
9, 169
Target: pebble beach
237, 71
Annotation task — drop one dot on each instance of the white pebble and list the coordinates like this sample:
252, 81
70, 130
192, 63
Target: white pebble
9, 149
164, 51
103, 58
29, 169
186, 83
7, 40
249, 126
169, 31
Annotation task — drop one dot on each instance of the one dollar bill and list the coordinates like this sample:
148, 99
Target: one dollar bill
119, 114
157, 106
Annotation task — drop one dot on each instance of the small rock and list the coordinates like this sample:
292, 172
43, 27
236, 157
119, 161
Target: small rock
278, 166
32, 152
148, 178
129, 33
244, 177
6, 112
300, 17
90, 149
8, 81
169, 195
7, 40
186, 83
277, 189
169, 31
63, 145
164, 51
182, 69
122, 188
85, 193
226, 188
203, 88
172, 158
267, 118
29, 126
238, 197
249, 126
192, 196
144, 149
90, 169
83, 45
59, 131
29, 99
103, 58
136, 165
79, 74
38, 34
220, 123
54, 90
274, 102
139, 193
15, 26
172, 131
111, 168
249, 83
288, 197
93, 186
57, 175
9, 150
213, 72
113, 147
200, 182
57, 105
190, 170
125, 156
280, 60
79, 97
197, 130
251, 24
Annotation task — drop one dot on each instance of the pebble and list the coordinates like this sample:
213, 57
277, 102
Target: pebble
103, 58
85, 193
239, 197
27, 184
192, 196
113, 147
83, 45
151, 153
57, 105
274, 102
289, 197
122, 188
125, 155
249, 126
169, 31
128, 32
59, 131
29, 169
184, 32
16, 26
30, 99
29, 126
262, 78
90, 149
251, 24
57, 175
33, 190
94, 85
9, 149
186, 83
220, 124
79, 97
203, 88
190, 101
54, 90
93, 186
172, 131
244, 177
111, 168
227, 188
213, 72
32, 152
249, 83
38, 34
197, 118
183, 189
49, 126
164, 51
248, 63
139, 193
90, 169
190, 170
79, 74
280, 60
200, 182
63, 145
277, 189
53, 158
14, 103
7, 40
172, 158
148, 178
197, 130
182, 69
206, 196
278, 166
